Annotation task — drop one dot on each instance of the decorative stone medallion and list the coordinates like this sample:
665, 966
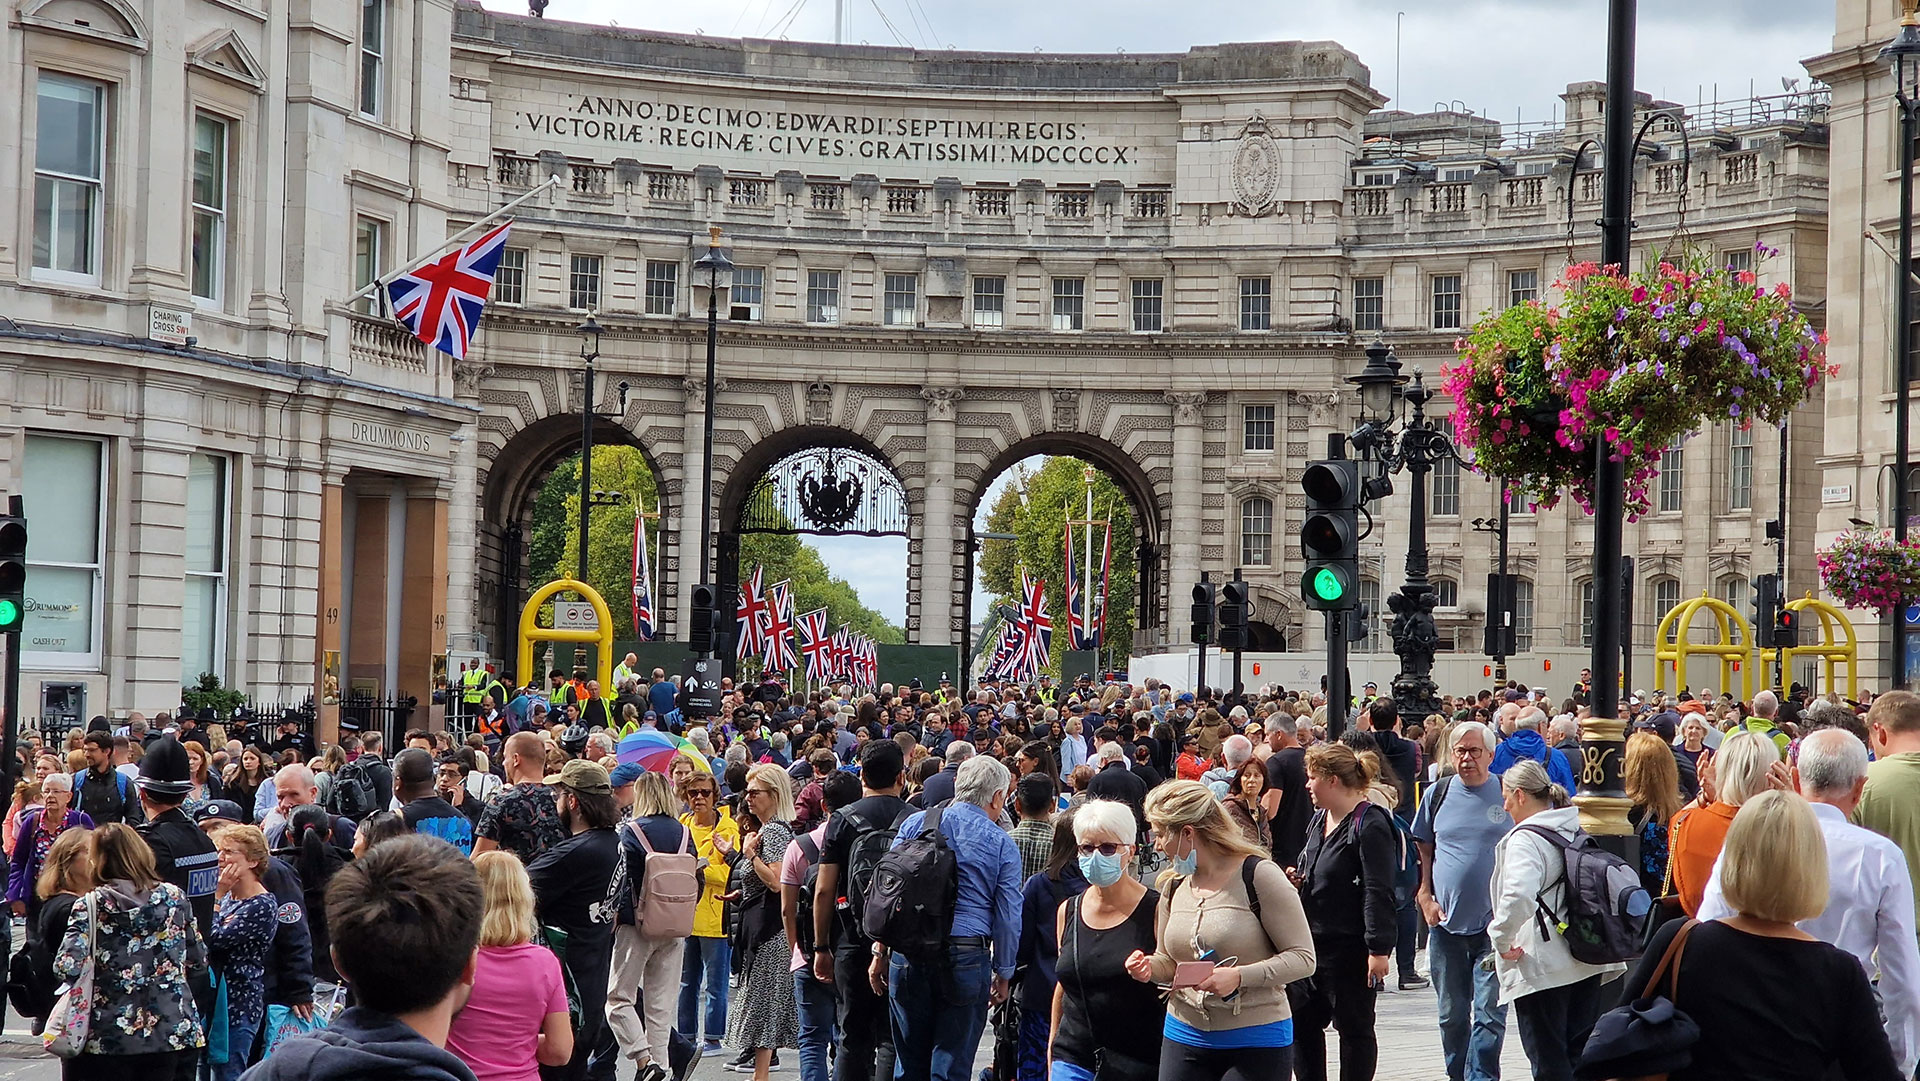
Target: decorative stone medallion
1256, 169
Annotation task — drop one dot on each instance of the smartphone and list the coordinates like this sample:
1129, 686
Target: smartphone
1191, 973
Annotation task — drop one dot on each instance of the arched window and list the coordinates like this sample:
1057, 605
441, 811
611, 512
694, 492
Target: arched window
1446, 593
1256, 532
1737, 592
1375, 641
1666, 594
1586, 612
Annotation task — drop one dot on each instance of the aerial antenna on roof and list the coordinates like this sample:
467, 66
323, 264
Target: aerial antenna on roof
537, 8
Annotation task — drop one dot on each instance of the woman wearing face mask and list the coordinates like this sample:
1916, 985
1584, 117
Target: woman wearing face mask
1232, 910
1103, 1020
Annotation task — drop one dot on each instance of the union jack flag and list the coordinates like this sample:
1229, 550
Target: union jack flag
750, 638
867, 660
1077, 630
1036, 629
843, 652
441, 301
642, 582
1097, 615
779, 651
1000, 661
816, 645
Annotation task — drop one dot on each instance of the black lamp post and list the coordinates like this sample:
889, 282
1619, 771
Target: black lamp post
590, 332
1500, 606
1419, 445
1903, 53
719, 270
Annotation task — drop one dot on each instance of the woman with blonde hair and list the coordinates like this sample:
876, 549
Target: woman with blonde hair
1773, 871
66, 874
645, 981
1651, 777
495, 1034
1746, 765
763, 1014
1221, 901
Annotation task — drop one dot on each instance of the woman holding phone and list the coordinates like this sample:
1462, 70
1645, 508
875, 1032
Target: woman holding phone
1230, 936
1102, 1019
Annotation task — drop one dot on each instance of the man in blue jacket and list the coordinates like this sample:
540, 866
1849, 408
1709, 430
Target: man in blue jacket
1527, 742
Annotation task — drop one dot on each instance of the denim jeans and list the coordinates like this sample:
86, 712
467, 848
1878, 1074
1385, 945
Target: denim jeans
708, 960
239, 1047
1472, 1022
817, 1033
939, 1012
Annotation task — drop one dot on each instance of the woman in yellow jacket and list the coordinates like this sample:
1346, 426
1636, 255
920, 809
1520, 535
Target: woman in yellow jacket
715, 837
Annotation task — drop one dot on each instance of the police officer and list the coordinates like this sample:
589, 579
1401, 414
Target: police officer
473, 686
182, 854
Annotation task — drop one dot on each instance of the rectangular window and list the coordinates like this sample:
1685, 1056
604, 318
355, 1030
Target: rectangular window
989, 301
1446, 486
663, 287
747, 295
823, 296
1522, 286
63, 486
510, 277
1374, 642
583, 282
1369, 303
1257, 428
1738, 260
1446, 302
1735, 592
1586, 612
1522, 616
1666, 595
902, 300
1256, 303
1069, 303
1673, 476
69, 188
369, 248
1256, 532
1147, 297
1740, 467
203, 611
209, 206
373, 51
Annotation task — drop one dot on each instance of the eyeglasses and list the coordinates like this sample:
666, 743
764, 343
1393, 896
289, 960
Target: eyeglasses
701, 793
1469, 752
759, 791
1109, 848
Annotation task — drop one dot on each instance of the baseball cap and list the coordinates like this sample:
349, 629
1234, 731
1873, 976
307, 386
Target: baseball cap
583, 776
625, 774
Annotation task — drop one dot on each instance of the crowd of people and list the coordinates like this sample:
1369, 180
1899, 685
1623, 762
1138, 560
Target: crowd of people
1086, 882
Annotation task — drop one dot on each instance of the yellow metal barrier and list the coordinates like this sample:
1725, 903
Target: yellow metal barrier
1674, 654
1830, 649
531, 632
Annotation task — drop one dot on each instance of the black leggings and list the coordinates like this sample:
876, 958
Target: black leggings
1178, 1062
1339, 993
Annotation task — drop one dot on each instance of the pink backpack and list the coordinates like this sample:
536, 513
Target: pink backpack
669, 888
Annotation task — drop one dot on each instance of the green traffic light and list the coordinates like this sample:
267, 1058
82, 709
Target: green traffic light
1327, 585
9, 615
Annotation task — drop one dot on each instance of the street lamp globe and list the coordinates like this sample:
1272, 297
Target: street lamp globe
1377, 383
589, 332
715, 264
1903, 52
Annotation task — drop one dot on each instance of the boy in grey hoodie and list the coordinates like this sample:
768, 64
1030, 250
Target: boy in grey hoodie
405, 920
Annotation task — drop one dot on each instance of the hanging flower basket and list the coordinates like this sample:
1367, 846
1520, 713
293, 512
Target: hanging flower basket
1868, 568
1630, 363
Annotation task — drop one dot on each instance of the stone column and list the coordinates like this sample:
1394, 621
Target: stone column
463, 521
938, 556
423, 597
154, 585
328, 685
1185, 528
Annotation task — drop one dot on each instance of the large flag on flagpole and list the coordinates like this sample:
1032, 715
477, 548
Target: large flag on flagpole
441, 301
1097, 622
1076, 597
1036, 628
779, 654
751, 620
642, 579
816, 645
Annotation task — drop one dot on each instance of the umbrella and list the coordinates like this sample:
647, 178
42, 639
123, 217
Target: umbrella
655, 751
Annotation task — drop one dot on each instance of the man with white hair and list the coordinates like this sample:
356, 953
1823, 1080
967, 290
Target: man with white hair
939, 1006
940, 787
1869, 910
296, 786
1236, 750
1113, 780
1526, 742
1766, 706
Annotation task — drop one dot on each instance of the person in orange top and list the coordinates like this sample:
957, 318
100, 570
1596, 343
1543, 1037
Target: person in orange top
1747, 765
1189, 766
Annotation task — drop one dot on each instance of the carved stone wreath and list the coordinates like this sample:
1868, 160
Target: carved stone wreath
1256, 169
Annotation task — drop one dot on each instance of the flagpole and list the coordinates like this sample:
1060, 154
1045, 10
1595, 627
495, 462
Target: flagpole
380, 279
1086, 580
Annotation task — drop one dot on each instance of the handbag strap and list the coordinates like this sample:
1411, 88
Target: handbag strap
1671, 958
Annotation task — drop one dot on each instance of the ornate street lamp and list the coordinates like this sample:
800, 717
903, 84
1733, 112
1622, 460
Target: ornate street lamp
719, 271
589, 332
1903, 55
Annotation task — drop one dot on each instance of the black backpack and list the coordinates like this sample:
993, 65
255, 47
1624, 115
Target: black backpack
870, 843
1606, 906
353, 795
803, 907
909, 907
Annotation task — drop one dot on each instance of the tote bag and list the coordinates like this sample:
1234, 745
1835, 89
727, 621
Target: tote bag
71, 1019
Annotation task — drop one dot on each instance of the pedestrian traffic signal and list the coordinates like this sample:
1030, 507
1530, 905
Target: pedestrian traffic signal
700, 630
1330, 535
1235, 607
1498, 639
13, 573
1786, 629
1766, 607
1202, 632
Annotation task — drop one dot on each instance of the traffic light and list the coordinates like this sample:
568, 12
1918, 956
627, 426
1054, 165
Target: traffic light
700, 629
1766, 608
1330, 535
1359, 624
1498, 639
1235, 606
13, 573
1202, 632
1786, 628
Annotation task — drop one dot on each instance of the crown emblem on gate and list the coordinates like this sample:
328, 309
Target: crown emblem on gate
829, 499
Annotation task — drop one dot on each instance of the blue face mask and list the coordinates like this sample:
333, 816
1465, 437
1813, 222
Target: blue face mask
1102, 870
1187, 864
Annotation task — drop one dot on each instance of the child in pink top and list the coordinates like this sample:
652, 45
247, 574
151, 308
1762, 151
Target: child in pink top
496, 1034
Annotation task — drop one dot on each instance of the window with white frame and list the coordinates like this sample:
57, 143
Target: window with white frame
823, 296
1522, 286
369, 248
373, 53
1256, 303
1740, 467
69, 179
510, 277
1257, 428
209, 244
663, 287
1586, 612
1739, 260
746, 297
583, 282
1369, 303
1446, 593
902, 300
1522, 615
1446, 302
63, 482
1375, 641
1256, 532
1666, 594
1673, 476
1069, 303
1737, 592
989, 301
1445, 482
203, 611
1147, 296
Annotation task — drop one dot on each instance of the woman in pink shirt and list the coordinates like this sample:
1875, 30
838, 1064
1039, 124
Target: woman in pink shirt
495, 1034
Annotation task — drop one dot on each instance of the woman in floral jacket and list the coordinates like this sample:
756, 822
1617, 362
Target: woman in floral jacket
144, 1026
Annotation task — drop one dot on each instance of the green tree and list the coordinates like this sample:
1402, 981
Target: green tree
1055, 493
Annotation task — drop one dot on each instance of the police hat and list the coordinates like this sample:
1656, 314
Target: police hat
164, 769
222, 810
